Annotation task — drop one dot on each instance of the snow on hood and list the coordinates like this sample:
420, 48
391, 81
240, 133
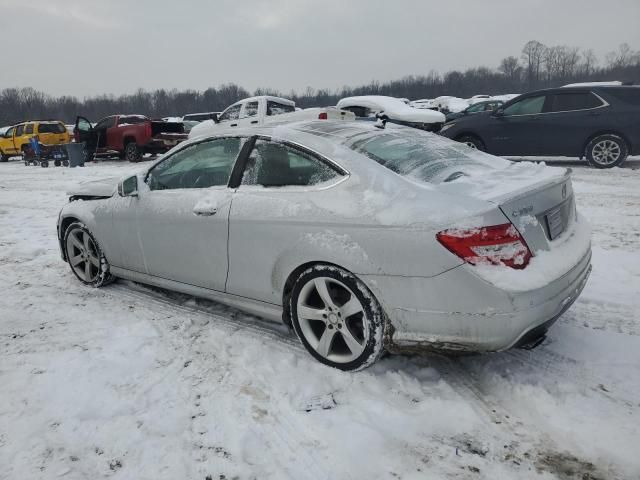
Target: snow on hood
104, 187
394, 108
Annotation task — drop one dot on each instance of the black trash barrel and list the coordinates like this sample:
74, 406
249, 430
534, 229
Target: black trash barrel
75, 152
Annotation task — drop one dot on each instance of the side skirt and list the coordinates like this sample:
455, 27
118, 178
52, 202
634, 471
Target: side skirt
254, 307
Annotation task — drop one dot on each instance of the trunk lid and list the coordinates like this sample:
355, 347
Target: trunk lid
538, 200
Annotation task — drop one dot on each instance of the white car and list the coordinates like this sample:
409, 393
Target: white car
368, 107
263, 110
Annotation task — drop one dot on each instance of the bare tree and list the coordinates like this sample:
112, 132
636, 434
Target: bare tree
533, 53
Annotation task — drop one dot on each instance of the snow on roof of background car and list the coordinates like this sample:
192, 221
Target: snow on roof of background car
394, 108
614, 83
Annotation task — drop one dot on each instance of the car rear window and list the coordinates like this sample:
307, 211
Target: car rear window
133, 120
423, 157
627, 95
51, 128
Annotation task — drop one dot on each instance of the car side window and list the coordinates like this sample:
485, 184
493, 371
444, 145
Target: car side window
9, 132
19, 130
478, 107
361, 112
250, 110
272, 164
276, 108
231, 113
28, 130
566, 102
202, 165
526, 106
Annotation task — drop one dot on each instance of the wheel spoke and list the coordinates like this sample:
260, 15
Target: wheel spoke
76, 260
324, 344
87, 271
86, 240
76, 242
351, 307
323, 291
350, 340
309, 313
94, 260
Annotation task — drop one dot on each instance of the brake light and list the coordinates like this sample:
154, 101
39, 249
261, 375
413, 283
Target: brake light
323, 116
489, 245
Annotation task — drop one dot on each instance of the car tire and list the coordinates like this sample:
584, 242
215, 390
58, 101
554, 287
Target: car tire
337, 318
607, 151
81, 246
3, 157
132, 152
472, 141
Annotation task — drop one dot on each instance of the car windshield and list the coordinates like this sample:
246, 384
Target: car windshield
421, 156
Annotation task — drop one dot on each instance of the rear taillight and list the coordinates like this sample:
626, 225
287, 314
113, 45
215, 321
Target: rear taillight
488, 245
323, 116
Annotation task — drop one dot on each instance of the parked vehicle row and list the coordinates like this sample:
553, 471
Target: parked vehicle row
601, 123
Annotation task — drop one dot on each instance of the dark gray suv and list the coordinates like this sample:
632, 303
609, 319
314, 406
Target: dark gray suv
601, 123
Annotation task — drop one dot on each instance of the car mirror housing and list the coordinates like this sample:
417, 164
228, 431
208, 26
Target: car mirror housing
128, 187
215, 118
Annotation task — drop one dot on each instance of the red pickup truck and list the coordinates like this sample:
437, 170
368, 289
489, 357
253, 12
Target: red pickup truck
127, 136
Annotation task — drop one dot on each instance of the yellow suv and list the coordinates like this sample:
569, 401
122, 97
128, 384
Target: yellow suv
16, 139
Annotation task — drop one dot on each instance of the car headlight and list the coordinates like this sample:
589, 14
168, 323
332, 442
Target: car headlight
447, 126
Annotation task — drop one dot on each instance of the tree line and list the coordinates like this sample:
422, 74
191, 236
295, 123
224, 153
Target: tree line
537, 66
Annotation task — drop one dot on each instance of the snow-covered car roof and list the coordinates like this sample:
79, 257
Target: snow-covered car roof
394, 108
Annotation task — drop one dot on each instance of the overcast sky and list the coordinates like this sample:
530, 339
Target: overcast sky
86, 47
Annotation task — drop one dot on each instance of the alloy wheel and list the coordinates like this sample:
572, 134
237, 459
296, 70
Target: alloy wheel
332, 319
83, 255
606, 152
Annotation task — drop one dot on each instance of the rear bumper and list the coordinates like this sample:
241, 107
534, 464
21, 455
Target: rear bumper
457, 311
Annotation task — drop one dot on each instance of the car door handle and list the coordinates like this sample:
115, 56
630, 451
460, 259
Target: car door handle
233, 125
205, 212
253, 122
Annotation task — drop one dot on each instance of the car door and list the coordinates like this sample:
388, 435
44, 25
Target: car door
569, 119
248, 114
514, 130
229, 117
85, 132
276, 204
19, 138
183, 216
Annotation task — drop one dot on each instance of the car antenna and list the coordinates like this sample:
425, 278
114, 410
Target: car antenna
382, 121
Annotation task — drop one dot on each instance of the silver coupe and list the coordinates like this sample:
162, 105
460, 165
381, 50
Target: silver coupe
358, 237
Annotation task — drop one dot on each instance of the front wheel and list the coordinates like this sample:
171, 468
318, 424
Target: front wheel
607, 151
337, 318
472, 142
85, 257
3, 157
132, 152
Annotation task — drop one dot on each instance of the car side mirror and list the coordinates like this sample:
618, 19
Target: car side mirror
214, 117
128, 187
498, 112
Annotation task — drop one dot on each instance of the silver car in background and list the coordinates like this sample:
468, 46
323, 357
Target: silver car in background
361, 239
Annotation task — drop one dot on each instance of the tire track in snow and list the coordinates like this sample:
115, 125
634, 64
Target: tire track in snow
286, 434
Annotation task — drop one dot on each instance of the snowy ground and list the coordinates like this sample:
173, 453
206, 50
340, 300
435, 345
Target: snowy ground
133, 383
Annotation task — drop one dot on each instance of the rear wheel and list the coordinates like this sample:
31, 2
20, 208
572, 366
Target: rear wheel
85, 257
337, 318
607, 151
3, 157
472, 141
132, 152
